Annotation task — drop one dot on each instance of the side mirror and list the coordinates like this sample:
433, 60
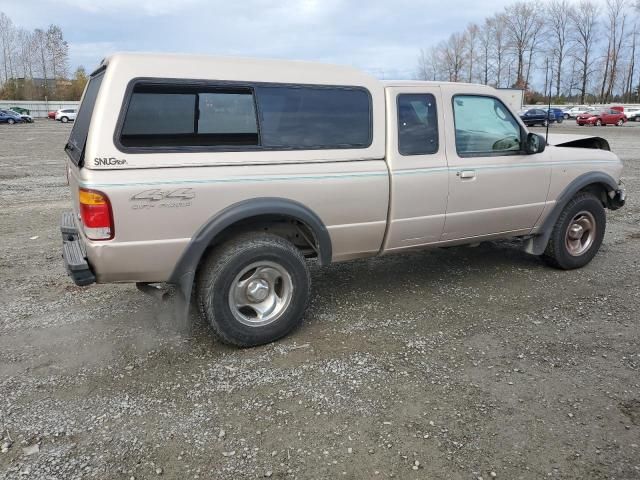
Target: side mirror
534, 144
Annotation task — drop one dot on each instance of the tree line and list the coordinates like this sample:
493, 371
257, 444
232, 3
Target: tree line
582, 51
34, 65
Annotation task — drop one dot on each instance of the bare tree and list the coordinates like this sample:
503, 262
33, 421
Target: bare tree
485, 42
558, 14
521, 22
7, 45
453, 51
57, 51
471, 40
584, 19
498, 23
616, 14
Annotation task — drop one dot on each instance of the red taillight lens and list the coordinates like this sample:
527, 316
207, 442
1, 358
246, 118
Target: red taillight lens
95, 212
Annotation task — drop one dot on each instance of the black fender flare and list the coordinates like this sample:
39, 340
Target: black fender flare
537, 244
184, 272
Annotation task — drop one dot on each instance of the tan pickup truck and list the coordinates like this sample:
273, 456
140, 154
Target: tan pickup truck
222, 176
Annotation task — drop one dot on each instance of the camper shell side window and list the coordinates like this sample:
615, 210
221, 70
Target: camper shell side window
192, 116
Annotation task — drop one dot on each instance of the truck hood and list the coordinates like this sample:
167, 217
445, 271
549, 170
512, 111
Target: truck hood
578, 141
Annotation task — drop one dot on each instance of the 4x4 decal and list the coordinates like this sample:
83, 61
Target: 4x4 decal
163, 198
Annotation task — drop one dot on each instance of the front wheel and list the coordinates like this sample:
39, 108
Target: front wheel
253, 289
545, 123
619, 123
598, 123
577, 234
64, 119
11, 121
566, 116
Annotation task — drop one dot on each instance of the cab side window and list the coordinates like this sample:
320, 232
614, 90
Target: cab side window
484, 127
417, 124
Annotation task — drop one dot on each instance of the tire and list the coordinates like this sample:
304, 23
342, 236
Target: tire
545, 123
274, 264
560, 120
11, 121
619, 123
64, 119
566, 116
567, 253
598, 123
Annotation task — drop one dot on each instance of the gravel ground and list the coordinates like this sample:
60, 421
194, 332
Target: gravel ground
459, 363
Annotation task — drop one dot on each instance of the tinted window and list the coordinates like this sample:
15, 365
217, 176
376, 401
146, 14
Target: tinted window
177, 115
78, 136
417, 124
484, 126
314, 117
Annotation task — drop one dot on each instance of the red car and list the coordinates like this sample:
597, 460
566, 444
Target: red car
608, 116
51, 115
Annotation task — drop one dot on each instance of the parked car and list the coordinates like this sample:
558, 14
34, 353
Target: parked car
52, 115
632, 113
557, 113
24, 117
10, 118
66, 115
602, 117
573, 112
21, 111
336, 166
537, 116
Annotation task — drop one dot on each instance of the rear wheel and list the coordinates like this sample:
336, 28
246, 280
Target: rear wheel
545, 123
566, 116
577, 234
253, 289
11, 121
598, 123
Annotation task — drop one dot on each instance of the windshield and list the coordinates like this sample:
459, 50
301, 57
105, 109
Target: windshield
78, 137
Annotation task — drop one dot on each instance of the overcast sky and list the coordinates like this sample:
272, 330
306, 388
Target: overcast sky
380, 36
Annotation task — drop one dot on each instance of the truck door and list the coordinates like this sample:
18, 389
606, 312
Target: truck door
417, 166
494, 187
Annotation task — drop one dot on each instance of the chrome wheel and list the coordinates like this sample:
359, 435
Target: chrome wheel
580, 234
260, 293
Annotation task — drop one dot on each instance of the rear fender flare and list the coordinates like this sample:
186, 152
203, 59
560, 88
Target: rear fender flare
184, 272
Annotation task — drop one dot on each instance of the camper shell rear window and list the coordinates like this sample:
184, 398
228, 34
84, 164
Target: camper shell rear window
78, 137
173, 115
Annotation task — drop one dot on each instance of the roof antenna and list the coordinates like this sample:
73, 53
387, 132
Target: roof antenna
547, 79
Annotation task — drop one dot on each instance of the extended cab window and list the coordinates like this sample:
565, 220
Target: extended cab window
182, 115
314, 117
417, 124
484, 126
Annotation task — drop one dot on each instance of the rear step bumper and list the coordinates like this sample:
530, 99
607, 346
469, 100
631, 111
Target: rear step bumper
74, 253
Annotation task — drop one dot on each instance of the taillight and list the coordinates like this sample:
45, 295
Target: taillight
95, 212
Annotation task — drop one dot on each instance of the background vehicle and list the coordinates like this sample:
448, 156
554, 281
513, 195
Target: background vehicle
632, 113
557, 113
602, 117
573, 112
21, 111
26, 118
537, 116
229, 203
10, 118
66, 115
52, 115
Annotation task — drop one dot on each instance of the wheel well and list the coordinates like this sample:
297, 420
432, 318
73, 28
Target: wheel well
290, 228
600, 191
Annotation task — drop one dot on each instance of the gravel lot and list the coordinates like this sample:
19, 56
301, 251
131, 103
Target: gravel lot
458, 363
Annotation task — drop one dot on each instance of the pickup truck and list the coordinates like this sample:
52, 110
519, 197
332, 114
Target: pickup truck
224, 177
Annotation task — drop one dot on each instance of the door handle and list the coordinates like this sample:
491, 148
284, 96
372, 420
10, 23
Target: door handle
466, 174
